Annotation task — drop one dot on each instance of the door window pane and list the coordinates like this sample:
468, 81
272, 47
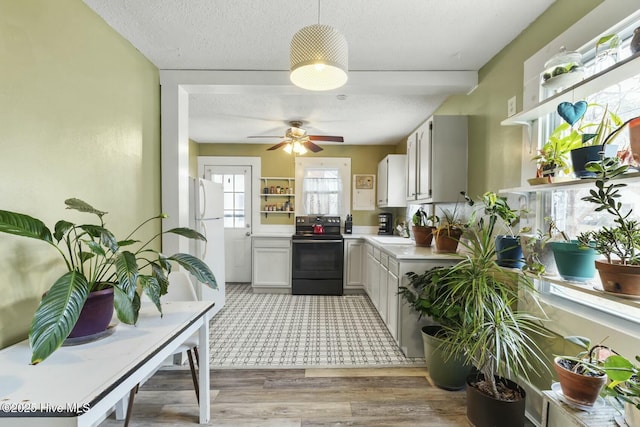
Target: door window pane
234, 197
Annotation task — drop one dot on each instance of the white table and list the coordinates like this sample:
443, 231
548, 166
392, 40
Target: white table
80, 385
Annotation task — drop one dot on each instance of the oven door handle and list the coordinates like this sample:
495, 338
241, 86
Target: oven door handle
317, 241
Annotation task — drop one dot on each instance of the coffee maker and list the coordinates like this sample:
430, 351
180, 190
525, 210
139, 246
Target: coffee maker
385, 223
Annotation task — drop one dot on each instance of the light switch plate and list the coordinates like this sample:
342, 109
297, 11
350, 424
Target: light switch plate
511, 106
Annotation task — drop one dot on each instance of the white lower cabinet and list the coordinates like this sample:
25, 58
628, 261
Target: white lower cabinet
392, 298
271, 264
354, 253
383, 275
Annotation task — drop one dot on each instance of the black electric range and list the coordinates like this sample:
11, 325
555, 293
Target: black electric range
317, 256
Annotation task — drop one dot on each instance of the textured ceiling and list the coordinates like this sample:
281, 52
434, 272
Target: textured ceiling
254, 35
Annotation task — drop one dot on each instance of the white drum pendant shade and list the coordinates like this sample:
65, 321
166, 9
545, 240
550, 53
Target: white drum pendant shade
319, 58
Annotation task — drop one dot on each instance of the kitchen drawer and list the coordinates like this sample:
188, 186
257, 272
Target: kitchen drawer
376, 254
393, 266
384, 259
369, 247
271, 242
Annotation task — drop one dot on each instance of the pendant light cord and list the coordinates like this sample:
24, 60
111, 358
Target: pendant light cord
318, 12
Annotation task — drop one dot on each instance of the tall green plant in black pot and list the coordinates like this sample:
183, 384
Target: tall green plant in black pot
496, 337
97, 263
429, 295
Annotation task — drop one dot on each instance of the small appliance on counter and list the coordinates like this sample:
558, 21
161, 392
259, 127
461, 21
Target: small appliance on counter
385, 223
348, 225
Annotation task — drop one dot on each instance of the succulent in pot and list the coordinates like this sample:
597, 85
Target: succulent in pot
619, 243
96, 260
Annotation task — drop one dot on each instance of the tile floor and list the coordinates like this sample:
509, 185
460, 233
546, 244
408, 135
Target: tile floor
300, 331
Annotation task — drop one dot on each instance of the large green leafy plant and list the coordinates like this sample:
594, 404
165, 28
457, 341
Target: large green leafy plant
95, 260
621, 241
495, 337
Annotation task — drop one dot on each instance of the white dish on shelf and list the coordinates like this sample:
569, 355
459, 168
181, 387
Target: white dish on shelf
557, 389
564, 80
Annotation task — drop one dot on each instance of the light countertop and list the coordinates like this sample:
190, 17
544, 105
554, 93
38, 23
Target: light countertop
401, 248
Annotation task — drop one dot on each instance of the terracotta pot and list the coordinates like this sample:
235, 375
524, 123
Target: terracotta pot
95, 315
423, 235
486, 411
447, 239
618, 278
578, 388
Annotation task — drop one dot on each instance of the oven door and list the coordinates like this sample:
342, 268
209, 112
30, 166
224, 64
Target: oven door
317, 259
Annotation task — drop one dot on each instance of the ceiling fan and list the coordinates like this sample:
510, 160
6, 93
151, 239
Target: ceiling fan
297, 140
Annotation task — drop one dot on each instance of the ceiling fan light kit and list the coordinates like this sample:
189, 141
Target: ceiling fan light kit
297, 141
319, 58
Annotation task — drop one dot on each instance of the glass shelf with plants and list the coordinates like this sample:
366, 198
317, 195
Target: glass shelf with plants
624, 69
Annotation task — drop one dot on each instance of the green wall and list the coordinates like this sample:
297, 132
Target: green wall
79, 117
364, 160
495, 151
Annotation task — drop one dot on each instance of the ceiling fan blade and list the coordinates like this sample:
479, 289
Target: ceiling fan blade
275, 147
311, 146
326, 138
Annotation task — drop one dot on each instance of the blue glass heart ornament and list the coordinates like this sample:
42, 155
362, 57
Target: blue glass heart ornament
571, 113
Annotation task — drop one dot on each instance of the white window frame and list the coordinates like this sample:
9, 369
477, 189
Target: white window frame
343, 164
568, 315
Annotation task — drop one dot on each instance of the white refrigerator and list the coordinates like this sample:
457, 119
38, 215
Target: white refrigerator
207, 217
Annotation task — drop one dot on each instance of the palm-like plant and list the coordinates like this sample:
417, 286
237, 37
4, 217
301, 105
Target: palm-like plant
495, 337
95, 260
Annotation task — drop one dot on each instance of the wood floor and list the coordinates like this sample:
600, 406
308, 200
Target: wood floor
301, 397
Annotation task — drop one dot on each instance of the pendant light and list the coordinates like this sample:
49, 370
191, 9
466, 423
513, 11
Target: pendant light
319, 57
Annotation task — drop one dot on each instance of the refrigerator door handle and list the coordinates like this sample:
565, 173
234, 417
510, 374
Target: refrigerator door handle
204, 232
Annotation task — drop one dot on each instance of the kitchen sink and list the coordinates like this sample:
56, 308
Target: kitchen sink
392, 240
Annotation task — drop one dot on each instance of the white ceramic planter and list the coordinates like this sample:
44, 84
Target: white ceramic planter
631, 415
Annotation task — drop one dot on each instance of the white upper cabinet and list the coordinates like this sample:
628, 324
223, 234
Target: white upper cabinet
391, 181
437, 160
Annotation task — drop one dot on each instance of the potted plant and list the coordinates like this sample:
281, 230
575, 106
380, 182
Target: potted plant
624, 385
428, 294
596, 141
620, 243
97, 263
451, 227
493, 335
423, 227
582, 377
553, 157
509, 250
537, 252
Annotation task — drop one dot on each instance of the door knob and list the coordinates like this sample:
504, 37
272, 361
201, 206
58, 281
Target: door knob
248, 233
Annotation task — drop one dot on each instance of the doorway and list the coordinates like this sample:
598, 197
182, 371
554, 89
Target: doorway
237, 197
